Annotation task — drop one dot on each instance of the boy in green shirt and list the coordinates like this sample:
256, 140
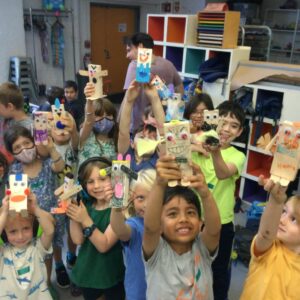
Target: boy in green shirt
221, 169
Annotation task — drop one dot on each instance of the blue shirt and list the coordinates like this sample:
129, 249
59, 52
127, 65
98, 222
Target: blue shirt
135, 279
144, 164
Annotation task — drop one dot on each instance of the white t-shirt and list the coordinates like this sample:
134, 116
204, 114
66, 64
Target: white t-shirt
187, 276
23, 272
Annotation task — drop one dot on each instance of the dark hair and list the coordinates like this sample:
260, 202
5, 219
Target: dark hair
13, 133
4, 163
141, 38
184, 192
194, 101
233, 109
71, 84
10, 93
147, 127
54, 92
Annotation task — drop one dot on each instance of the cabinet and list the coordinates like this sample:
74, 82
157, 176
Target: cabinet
285, 27
259, 161
175, 38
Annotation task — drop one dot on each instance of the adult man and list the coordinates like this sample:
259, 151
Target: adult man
160, 66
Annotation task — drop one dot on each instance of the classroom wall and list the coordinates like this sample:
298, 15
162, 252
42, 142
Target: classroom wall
13, 37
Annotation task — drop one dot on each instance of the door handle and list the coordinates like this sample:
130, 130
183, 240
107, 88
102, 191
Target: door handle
106, 54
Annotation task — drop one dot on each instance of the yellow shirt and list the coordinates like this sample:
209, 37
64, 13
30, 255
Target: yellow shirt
275, 275
222, 190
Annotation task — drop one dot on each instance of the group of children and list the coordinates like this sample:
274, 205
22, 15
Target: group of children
170, 242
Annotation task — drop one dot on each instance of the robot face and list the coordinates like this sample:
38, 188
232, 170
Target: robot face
211, 117
18, 187
178, 138
289, 138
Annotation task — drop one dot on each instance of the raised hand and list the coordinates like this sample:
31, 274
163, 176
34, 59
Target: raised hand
167, 169
89, 90
277, 192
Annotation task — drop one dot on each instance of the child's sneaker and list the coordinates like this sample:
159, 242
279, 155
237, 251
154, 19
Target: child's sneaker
75, 290
62, 277
71, 260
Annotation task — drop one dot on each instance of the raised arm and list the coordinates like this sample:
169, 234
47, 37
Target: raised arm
157, 108
45, 220
270, 219
211, 232
103, 241
58, 163
3, 213
117, 222
70, 124
89, 118
223, 170
125, 117
167, 169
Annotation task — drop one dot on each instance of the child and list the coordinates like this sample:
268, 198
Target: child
194, 111
221, 170
178, 257
41, 180
11, 111
99, 268
66, 145
73, 105
22, 267
130, 232
100, 130
140, 158
275, 261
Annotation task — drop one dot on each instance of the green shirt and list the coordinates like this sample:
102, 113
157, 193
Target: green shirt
94, 269
222, 190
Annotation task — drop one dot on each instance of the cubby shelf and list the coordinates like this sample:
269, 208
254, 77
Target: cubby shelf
259, 161
175, 38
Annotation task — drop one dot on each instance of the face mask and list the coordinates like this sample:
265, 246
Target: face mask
145, 146
103, 126
26, 156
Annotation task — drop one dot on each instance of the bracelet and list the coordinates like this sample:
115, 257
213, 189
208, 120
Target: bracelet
88, 113
57, 160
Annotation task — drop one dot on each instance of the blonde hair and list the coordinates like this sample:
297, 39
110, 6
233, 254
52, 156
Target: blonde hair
145, 179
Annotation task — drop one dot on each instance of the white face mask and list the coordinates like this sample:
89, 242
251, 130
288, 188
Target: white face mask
26, 156
145, 146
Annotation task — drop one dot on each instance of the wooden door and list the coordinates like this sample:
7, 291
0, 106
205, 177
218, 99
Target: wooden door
109, 27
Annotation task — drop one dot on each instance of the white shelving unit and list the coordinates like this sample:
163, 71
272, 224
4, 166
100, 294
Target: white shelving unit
259, 160
285, 27
175, 38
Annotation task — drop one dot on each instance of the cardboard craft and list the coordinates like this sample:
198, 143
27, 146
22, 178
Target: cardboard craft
143, 67
18, 192
178, 143
58, 111
120, 175
40, 127
65, 194
286, 158
95, 74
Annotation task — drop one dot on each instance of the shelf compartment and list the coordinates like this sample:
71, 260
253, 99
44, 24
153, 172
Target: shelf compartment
158, 50
176, 29
175, 55
265, 128
258, 164
253, 192
194, 57
156, 25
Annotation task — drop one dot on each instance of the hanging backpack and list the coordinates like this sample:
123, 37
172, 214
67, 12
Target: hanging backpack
268, 105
